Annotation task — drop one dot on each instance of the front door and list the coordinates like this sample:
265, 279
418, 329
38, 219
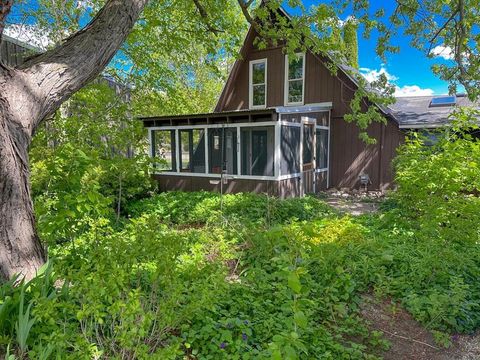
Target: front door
308, 155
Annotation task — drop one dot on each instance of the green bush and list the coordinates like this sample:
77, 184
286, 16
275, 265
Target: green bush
206, 207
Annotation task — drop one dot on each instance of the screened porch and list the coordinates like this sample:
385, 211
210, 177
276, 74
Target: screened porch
288, 146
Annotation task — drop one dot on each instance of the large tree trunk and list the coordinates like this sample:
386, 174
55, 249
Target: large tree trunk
28, 95
20, 249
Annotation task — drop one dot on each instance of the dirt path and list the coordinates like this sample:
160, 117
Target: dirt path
354, 207
409, 339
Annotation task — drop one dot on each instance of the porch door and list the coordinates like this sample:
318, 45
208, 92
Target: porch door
259, 152
308, 155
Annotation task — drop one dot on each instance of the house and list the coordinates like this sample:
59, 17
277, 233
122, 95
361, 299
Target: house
278, 128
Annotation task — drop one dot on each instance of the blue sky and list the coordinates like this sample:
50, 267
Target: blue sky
410, 70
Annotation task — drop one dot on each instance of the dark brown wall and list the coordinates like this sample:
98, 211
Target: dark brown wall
350, 156
282, 189
196, 183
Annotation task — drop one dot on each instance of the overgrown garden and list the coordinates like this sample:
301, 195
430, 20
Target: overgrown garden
196, 275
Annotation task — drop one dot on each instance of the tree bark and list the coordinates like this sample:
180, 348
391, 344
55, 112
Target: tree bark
28, 95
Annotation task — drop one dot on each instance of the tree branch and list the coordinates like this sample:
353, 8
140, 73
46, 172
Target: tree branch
204, 16
47, 80
246, 13
437, 33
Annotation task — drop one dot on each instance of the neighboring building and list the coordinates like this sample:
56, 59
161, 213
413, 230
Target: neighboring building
14, 52
279, 128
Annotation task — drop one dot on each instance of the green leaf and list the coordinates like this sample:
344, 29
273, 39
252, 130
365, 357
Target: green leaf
294, 282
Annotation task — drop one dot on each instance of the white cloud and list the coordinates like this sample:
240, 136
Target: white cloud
406, 90
412, 90
373, 74
445, 52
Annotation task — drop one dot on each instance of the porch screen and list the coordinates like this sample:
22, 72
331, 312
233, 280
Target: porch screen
192, 146
308, 144
222, 146
290, 148
322, 148
163, 143
257, 150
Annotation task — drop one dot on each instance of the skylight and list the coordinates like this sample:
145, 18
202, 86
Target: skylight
443, 101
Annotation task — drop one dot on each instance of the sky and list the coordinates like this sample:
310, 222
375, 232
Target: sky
410, 70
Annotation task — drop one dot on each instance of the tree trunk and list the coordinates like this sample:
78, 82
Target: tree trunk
20, 249
29, 94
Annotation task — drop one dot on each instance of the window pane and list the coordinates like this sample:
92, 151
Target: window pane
295, 67
164, 149
258, 151
258, 95
192, 146
290, 146
258, 73
226, 140
295, 89
185, 149
198, 151
322, 148
307, 144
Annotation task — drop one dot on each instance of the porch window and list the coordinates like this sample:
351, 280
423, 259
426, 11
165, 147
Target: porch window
192, 150
163, 142
322, 148
294, 79
258, 84
222, 150
257, 147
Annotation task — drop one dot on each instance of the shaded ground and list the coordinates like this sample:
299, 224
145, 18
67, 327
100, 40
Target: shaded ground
354, 207
409, 339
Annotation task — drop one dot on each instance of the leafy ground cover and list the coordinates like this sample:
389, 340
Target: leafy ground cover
188, 277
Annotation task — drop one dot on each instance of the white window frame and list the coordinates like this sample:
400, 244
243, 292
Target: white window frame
250, 83
287, 81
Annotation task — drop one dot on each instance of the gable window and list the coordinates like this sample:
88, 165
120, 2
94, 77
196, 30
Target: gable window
258, 84
294, 79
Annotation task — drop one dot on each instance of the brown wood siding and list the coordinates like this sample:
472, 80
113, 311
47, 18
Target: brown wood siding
237, 97
289, 188
197, 183
350, 156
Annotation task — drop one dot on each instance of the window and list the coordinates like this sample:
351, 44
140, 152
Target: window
294, 79
258, 84
163, 146
192, 150
322, 148
222, 150
257, 150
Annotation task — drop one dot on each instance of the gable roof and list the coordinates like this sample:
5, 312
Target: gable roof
415, 111
344, 69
